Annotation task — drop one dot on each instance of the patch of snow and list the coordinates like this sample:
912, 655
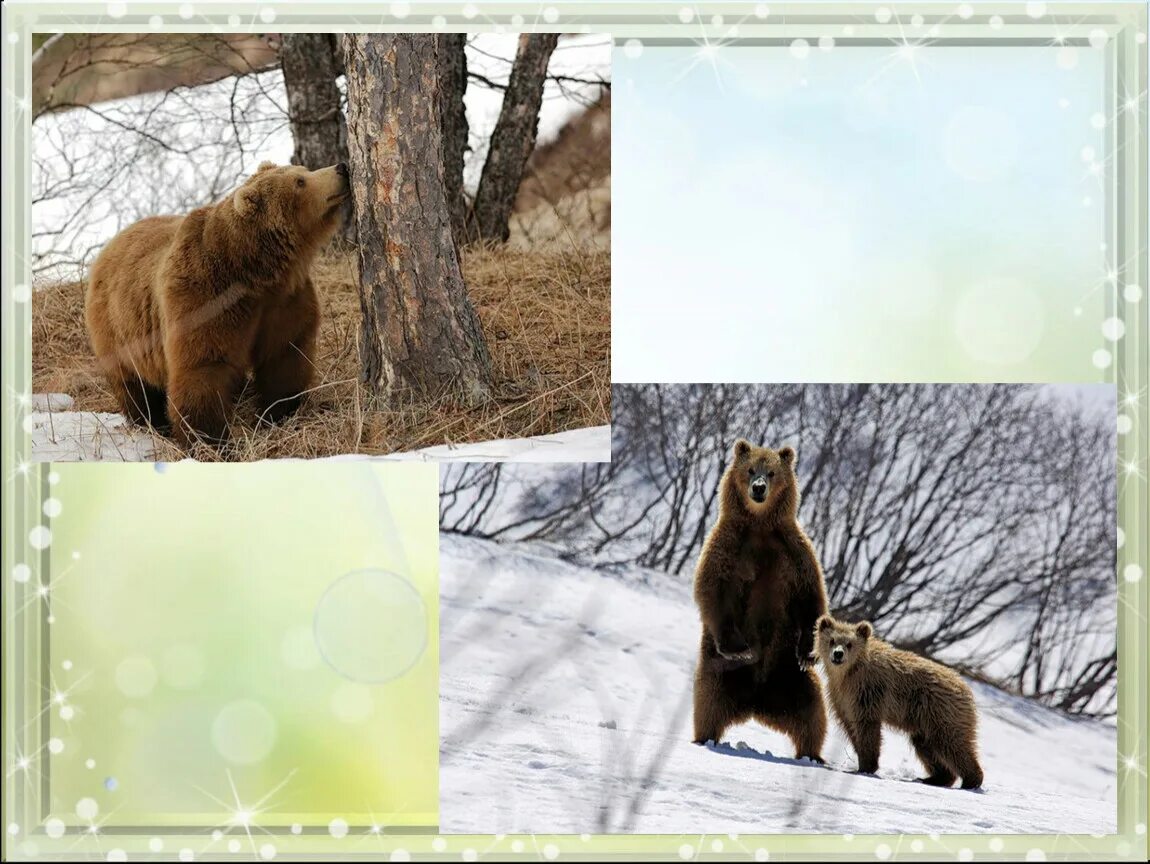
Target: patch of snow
591, 444
52, 402
540, 659
86, 436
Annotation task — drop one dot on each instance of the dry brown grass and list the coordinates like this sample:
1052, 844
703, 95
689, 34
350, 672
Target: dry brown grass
578, 158
546, 315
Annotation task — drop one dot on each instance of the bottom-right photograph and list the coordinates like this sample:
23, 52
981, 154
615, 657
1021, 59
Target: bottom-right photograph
793, 608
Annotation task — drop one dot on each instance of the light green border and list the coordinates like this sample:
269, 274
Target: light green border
652, 23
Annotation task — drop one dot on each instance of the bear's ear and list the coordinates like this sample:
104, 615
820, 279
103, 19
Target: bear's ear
787, 454
825, 623
246, 201
266, 166
742, 448
864, 630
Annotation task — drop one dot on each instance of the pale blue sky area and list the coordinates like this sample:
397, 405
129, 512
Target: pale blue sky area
868, 200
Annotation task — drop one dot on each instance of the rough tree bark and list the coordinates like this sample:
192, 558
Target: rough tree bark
310, 67
420, 332
513, 139
311, 63
453, 121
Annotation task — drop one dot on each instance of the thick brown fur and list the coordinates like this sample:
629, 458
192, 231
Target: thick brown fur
759, 588
181, 308
875, 683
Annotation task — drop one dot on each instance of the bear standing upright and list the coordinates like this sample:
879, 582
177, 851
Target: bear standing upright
180, 308
759, 588
872, 683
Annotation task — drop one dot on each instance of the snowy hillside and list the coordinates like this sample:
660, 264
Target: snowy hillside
136, 149
565, 707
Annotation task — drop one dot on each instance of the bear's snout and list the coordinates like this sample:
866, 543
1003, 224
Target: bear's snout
838, 655
342, 170
759, 489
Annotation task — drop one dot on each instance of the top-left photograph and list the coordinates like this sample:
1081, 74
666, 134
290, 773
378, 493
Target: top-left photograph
313, 245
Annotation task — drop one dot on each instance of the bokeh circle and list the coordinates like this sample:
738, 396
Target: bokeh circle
371, 626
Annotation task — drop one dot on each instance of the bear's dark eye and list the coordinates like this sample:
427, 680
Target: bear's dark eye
847, 645
770, 473
750, 472
300, 182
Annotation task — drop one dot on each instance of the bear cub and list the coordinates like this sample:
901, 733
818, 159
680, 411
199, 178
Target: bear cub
872, 683
181, 308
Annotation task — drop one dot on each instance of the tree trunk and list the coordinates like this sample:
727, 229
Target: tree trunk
310, 67
420, 332
453, 120
311, 63
513, 138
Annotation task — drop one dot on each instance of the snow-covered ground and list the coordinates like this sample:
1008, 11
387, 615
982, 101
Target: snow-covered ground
62, 435
565, 708
591, 444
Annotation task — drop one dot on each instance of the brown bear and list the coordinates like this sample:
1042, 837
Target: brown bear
180, 308
759, 588
872, 683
